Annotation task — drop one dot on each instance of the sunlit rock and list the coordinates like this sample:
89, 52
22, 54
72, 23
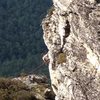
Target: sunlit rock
72, 36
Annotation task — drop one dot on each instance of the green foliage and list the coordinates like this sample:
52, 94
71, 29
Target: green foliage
21, 43
14, 90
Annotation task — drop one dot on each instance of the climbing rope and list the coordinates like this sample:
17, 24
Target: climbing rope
37, 68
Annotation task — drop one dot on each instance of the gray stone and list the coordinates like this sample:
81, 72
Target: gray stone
72, 36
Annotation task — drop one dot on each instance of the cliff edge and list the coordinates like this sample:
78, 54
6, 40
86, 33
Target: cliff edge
72, 36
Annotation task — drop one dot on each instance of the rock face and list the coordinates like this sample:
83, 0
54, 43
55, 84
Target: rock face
72, 36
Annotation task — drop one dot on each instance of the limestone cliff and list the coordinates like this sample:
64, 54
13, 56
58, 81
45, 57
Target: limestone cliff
72, 36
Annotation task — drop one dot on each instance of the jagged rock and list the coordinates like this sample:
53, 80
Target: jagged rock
72, 36
39, 85
32, 80
49, 95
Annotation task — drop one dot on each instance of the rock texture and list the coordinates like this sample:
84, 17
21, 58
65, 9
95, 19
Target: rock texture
38, 85
72, 36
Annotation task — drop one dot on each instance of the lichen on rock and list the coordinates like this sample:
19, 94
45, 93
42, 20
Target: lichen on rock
72, 36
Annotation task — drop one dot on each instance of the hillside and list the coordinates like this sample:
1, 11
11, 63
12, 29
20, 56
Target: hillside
21, 43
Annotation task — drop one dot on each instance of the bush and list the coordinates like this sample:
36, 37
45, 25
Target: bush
15, 90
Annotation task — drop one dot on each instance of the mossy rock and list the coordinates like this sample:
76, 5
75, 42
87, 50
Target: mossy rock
61, 58
17, 90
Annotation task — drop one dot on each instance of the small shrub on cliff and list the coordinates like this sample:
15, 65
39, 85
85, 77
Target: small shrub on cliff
61, 58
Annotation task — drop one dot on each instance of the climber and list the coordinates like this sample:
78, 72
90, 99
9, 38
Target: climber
46, 58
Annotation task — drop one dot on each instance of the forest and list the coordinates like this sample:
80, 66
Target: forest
21, 41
